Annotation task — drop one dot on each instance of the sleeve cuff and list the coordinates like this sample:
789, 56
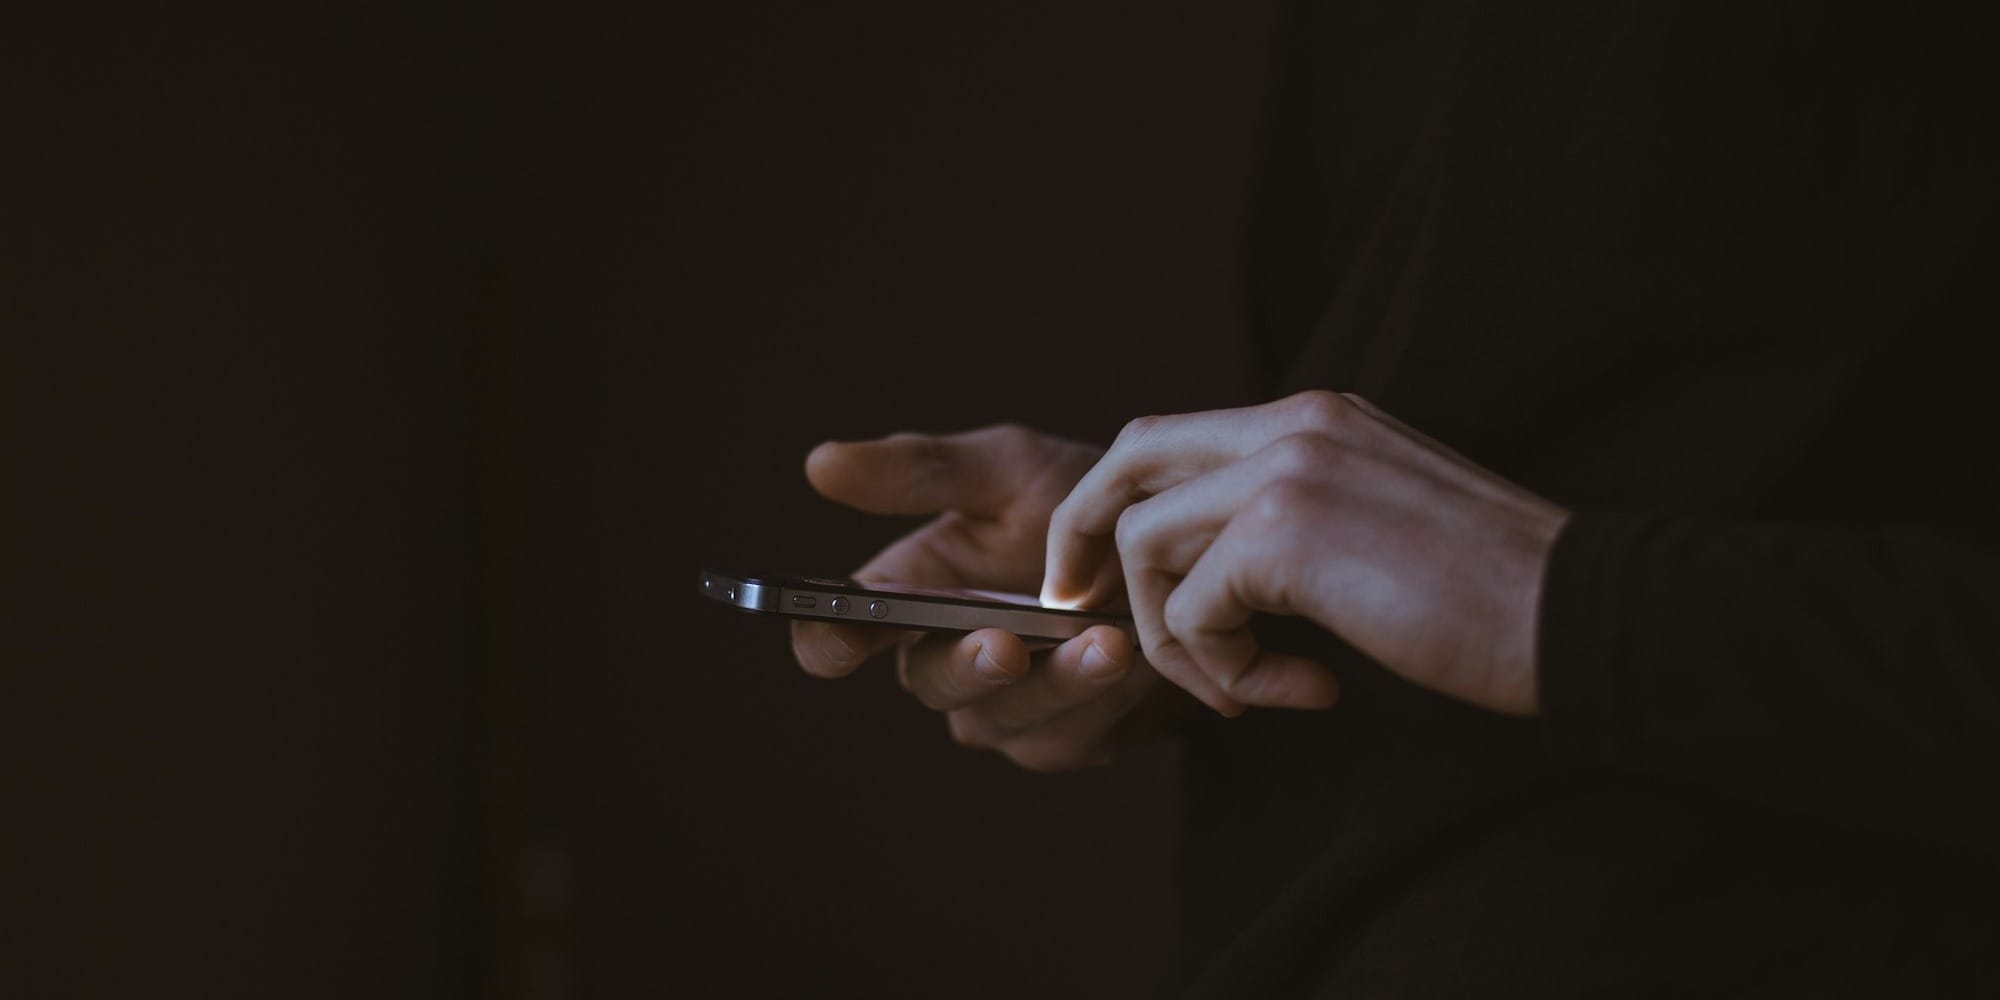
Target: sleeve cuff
1589, 589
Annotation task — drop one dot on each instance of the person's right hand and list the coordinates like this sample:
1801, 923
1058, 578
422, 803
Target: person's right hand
992, 491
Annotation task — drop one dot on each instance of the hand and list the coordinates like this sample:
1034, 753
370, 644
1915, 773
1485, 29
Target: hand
1317, 505
992, 491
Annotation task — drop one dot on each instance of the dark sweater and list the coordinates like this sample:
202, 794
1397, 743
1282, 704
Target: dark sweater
1714, 276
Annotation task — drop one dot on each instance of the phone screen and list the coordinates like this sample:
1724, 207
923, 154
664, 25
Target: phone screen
918, 590
998, 596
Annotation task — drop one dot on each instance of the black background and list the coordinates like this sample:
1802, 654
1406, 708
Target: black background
375, 387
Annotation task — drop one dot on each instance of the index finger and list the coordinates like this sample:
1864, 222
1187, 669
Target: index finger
1209, 616
1154, 453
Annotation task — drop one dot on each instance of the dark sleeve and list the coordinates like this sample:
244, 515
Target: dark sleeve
1847, 676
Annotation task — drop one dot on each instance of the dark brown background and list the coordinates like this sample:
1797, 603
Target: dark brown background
375, 388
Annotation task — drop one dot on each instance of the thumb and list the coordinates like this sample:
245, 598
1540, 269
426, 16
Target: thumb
975, 472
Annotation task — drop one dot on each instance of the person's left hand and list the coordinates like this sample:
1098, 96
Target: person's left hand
1317, 505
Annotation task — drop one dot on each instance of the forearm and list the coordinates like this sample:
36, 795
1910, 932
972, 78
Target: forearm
1845, 674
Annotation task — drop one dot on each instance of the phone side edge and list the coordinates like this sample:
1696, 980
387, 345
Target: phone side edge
891, 610
748, 594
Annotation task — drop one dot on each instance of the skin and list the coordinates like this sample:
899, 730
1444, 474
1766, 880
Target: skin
1317, 505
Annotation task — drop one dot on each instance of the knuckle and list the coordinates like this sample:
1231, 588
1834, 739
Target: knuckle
1013, 437
931, 678
1009, 442
933, 700
911, 662
1305, 452
1320, 409
1161, 649
1154, 639
1061, 516
1043, 757
929, 455
1182, 671
808, 641
1131, 530
1178, 616
1281, 502
1138, 429
968, 730
919, 691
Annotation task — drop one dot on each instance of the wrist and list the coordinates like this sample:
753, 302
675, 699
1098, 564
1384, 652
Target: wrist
1516, 677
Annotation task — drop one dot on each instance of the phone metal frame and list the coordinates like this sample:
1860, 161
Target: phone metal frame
859, 604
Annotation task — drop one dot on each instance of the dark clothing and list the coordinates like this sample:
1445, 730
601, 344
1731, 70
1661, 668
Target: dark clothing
1710, 275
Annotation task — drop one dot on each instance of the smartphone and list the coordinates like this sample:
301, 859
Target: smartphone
904, 606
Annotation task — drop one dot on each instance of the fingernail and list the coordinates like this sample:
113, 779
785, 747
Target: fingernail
989, 667
1097, 664
836, 648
